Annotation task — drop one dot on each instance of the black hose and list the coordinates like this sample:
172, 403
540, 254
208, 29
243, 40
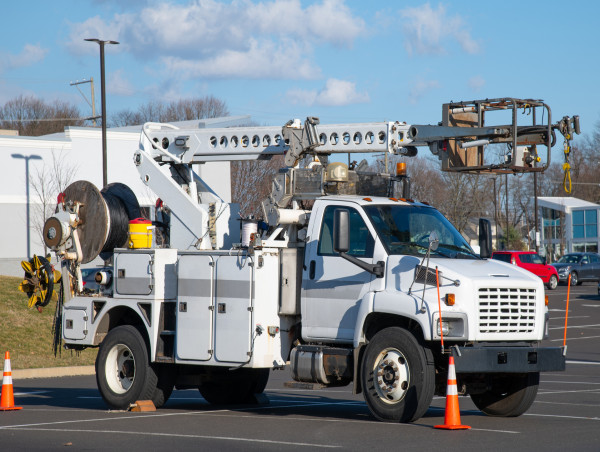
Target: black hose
119, 223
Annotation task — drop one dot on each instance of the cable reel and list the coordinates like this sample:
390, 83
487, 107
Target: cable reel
39, 282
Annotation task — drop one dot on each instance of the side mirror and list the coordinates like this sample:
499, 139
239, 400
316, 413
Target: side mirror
485, 238
434, 241
341, 231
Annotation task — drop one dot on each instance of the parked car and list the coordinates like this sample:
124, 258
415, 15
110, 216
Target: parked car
90, 283
530, 260
581, 267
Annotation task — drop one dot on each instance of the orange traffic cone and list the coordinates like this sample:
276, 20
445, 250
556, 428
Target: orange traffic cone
7, 402
452, 417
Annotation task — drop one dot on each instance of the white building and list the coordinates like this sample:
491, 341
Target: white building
568, 225
27, 164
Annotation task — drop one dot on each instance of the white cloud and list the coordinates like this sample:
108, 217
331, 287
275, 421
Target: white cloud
476, 83
265, 59
335, 93
427, 30
94, 28
117, 83
31, 54
420, 88
239, 39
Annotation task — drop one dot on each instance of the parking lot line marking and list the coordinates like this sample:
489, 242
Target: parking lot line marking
180, 435
496, 431
570, 382
574, 338
571, 317
22, 393
573, 326
591, 305
562, 416
593, 391
567, 403
593, 363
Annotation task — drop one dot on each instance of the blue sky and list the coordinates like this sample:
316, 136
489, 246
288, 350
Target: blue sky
341, 60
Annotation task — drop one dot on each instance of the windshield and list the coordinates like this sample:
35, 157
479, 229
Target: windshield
405, 230
569, 259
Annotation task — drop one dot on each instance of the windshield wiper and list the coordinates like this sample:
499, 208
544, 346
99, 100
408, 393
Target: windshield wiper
458, 248
418, 245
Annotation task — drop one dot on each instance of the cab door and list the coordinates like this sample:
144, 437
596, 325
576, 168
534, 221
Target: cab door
332, 287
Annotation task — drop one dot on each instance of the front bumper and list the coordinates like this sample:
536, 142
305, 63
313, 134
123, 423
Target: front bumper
506, 359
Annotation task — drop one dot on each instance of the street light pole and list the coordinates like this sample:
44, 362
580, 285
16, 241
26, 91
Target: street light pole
103, 101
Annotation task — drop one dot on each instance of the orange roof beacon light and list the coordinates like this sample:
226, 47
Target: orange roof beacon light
401, 169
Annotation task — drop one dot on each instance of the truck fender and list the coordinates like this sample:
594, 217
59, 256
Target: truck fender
397, 304
120, 315
365, 308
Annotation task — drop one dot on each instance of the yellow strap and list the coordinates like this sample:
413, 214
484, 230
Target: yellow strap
567, 179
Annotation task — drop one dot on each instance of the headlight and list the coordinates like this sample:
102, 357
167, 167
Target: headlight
451, 327
564, 270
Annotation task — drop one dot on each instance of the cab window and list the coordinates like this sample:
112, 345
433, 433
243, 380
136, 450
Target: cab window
361, 240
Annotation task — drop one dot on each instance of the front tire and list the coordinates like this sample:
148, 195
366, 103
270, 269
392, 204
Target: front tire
398, 380
553, 282
509, 395
123, 373
575, 279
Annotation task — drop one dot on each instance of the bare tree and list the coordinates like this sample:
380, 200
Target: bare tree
181, 110
47, 182
31, 116
251, 183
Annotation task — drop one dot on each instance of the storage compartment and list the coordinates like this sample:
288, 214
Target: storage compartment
134, 274
291, 278
75, 323
195, 307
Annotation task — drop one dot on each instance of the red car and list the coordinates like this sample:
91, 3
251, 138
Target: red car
530, 260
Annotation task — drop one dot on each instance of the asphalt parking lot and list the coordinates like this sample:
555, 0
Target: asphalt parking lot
67, 412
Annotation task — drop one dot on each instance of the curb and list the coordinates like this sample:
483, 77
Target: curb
53, 372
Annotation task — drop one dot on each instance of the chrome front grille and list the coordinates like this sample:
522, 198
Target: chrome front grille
506, 310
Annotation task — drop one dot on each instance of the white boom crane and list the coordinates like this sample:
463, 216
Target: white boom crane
458, 140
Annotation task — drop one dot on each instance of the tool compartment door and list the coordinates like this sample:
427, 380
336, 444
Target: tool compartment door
234, 287
134, 273
75, 323
194, 307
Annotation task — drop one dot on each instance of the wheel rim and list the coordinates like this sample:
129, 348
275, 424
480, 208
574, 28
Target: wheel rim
573, 278
120, 369
553, 282
391, 375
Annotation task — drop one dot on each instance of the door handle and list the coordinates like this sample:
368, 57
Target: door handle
311, 269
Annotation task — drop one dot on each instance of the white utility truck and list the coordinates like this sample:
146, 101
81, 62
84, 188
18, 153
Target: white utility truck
347, 284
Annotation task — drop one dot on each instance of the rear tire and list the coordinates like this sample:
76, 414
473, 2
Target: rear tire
398, 381
509, 396
164, 386
235, 386
123, 372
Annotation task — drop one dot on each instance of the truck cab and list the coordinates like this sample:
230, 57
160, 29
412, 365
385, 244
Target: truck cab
392, 297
